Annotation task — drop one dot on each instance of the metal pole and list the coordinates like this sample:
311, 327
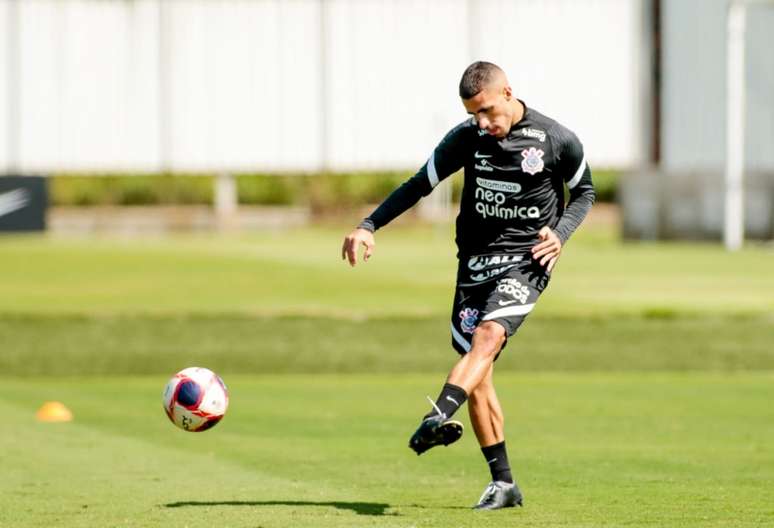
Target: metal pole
733, 231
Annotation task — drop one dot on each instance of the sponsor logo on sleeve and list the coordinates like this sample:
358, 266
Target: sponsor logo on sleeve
534, 133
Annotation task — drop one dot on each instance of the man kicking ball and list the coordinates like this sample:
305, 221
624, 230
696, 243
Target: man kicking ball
512, 224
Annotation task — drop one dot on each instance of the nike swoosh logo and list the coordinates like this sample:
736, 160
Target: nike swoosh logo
453, 401
505, 303
13, 201
481, 156
491, 461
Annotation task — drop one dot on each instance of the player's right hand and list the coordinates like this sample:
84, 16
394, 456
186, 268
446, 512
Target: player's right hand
353, 241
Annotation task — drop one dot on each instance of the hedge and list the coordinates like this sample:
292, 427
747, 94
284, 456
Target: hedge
320, 191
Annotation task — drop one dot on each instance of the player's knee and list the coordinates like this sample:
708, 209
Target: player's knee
489, 337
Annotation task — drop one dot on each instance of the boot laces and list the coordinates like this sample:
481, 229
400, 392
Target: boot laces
435, 407
489, 493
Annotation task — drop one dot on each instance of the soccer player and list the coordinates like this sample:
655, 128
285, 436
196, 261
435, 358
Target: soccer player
512, 224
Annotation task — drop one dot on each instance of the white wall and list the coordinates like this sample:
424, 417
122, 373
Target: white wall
88, 87
576, 61
5, 67
694, 86
304, 84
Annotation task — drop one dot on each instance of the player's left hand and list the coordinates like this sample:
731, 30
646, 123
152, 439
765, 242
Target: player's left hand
548, 249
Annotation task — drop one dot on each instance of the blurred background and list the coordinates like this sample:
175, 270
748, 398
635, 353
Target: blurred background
176, 179
187, 169
321, 105
180, 159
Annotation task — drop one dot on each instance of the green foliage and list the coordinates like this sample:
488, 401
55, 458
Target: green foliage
323, 192
270, 189
127, 189
606, 184
333, 191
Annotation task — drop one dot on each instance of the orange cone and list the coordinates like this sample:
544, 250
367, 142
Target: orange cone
54, 411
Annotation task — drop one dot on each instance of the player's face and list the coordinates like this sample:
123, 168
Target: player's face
492, 110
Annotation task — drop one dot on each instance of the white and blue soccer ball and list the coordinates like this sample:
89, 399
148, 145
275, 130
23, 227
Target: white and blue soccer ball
195, 399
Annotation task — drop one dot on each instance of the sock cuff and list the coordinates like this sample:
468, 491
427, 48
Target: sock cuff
456, 390
493, 447
497, 459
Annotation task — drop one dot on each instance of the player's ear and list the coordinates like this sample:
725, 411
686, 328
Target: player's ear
507, 92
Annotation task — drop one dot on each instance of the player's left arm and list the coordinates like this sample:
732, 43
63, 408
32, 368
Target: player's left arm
575, 172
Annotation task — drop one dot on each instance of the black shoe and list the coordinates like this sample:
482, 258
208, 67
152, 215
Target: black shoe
435, 430
498, 495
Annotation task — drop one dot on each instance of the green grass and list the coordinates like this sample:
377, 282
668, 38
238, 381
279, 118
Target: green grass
40, 346
588, 449
637, 394
285, 302
300, 272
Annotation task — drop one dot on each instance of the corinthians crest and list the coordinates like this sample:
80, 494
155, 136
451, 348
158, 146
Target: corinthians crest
533, 160
468, 319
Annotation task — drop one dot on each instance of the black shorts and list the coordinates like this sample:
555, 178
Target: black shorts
501, 288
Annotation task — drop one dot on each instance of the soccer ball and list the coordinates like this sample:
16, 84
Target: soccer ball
195, 399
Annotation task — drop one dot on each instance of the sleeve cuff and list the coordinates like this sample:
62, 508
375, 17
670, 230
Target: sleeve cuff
367, 224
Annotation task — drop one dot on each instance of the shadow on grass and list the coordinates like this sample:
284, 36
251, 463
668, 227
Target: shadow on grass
361, 508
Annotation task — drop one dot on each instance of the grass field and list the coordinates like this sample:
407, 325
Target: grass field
639, 392
329, 450
300, 272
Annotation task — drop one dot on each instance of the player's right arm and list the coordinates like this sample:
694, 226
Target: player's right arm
446, 159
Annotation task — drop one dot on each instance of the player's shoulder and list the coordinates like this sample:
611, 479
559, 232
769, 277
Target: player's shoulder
465, 132
556, 131
565, 145
467, 127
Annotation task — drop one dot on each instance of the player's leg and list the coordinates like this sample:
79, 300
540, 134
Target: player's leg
491, 311
486, 416
472, 368
437, 427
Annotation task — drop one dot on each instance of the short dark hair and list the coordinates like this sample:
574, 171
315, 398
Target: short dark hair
476, 77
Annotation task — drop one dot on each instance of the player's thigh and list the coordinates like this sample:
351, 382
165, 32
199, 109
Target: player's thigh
504, 298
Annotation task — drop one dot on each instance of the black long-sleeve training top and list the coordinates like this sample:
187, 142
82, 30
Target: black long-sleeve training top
513, 186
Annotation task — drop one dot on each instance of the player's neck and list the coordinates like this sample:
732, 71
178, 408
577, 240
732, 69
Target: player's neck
518, 111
